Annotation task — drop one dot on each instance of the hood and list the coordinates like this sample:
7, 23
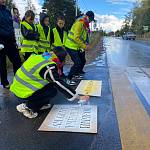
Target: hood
42, 17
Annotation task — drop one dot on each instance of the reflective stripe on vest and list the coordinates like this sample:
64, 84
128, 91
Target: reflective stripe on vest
28, 45
44, 42
25, 83
71, 42
30, 75
27, 79
57, 39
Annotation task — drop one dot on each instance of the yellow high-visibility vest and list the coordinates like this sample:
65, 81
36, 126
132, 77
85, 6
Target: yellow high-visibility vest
27, 79
57, 39
44, 42
70, 42
28, 45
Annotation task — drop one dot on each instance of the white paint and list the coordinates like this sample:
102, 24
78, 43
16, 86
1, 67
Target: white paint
141, 80
71, 118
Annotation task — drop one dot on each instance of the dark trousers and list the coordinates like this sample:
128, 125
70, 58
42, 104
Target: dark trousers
41, 97
79, 61
12, 52
27, 55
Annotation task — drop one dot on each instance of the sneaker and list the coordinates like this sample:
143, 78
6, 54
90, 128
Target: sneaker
21, 108
70, 82
47, 106
6, 86
78, 77
30, 114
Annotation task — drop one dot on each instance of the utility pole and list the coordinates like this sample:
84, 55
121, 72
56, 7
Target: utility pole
76, 8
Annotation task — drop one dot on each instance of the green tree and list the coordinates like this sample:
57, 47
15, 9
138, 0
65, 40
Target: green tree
9, 4
64, 8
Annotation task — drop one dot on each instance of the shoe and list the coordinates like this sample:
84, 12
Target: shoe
30, 114
22, 108
6, 86
47, 106
70, 82
79, 77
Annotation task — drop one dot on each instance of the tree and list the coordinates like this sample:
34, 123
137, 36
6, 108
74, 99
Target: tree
9, 4
64, 8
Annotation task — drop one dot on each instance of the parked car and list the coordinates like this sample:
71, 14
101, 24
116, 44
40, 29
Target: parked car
129, 36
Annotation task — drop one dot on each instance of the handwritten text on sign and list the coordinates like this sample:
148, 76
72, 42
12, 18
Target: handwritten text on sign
71, 118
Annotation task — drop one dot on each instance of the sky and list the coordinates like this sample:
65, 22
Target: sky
109, 13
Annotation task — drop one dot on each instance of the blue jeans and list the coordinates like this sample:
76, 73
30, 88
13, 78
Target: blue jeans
79, 61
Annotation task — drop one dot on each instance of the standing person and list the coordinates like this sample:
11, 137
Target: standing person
58, 37
7, 38
76, 45
30, 35
44, 33
37, 82
16, 18
58, 34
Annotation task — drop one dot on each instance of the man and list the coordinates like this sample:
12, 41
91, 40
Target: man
7, 38
76, 45
44, 33
37, 81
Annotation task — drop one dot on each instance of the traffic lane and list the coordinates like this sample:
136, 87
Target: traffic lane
21, 133
127, 53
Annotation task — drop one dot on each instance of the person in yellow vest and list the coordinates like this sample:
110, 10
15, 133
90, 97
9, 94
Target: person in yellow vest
37, 82
76, 45
44, 33
30, 35
58, 37
58, 34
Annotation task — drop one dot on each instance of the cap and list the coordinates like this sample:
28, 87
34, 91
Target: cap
91, 16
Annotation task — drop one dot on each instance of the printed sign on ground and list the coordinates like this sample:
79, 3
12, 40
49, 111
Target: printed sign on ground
71, 118
89, 87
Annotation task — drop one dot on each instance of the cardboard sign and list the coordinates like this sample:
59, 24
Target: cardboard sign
71, 118
89, 87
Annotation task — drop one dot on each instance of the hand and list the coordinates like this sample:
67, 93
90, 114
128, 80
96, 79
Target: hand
86, 98
83, 100
88, 47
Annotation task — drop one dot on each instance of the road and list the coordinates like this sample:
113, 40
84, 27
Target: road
129, 67
123, 108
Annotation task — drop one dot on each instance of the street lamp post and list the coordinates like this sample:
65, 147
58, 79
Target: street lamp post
76, 8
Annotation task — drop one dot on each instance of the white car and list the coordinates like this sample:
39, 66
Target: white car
129, 36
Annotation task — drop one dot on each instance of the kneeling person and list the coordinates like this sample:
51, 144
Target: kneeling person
37, 81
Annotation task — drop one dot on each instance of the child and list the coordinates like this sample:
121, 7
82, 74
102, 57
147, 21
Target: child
44, 33
30, 35
58, 34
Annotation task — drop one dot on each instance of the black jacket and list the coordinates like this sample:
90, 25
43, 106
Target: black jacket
50, 73
6, 25
45, 28
30, 34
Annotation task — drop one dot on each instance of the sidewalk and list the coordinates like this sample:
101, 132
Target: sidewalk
20, 133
